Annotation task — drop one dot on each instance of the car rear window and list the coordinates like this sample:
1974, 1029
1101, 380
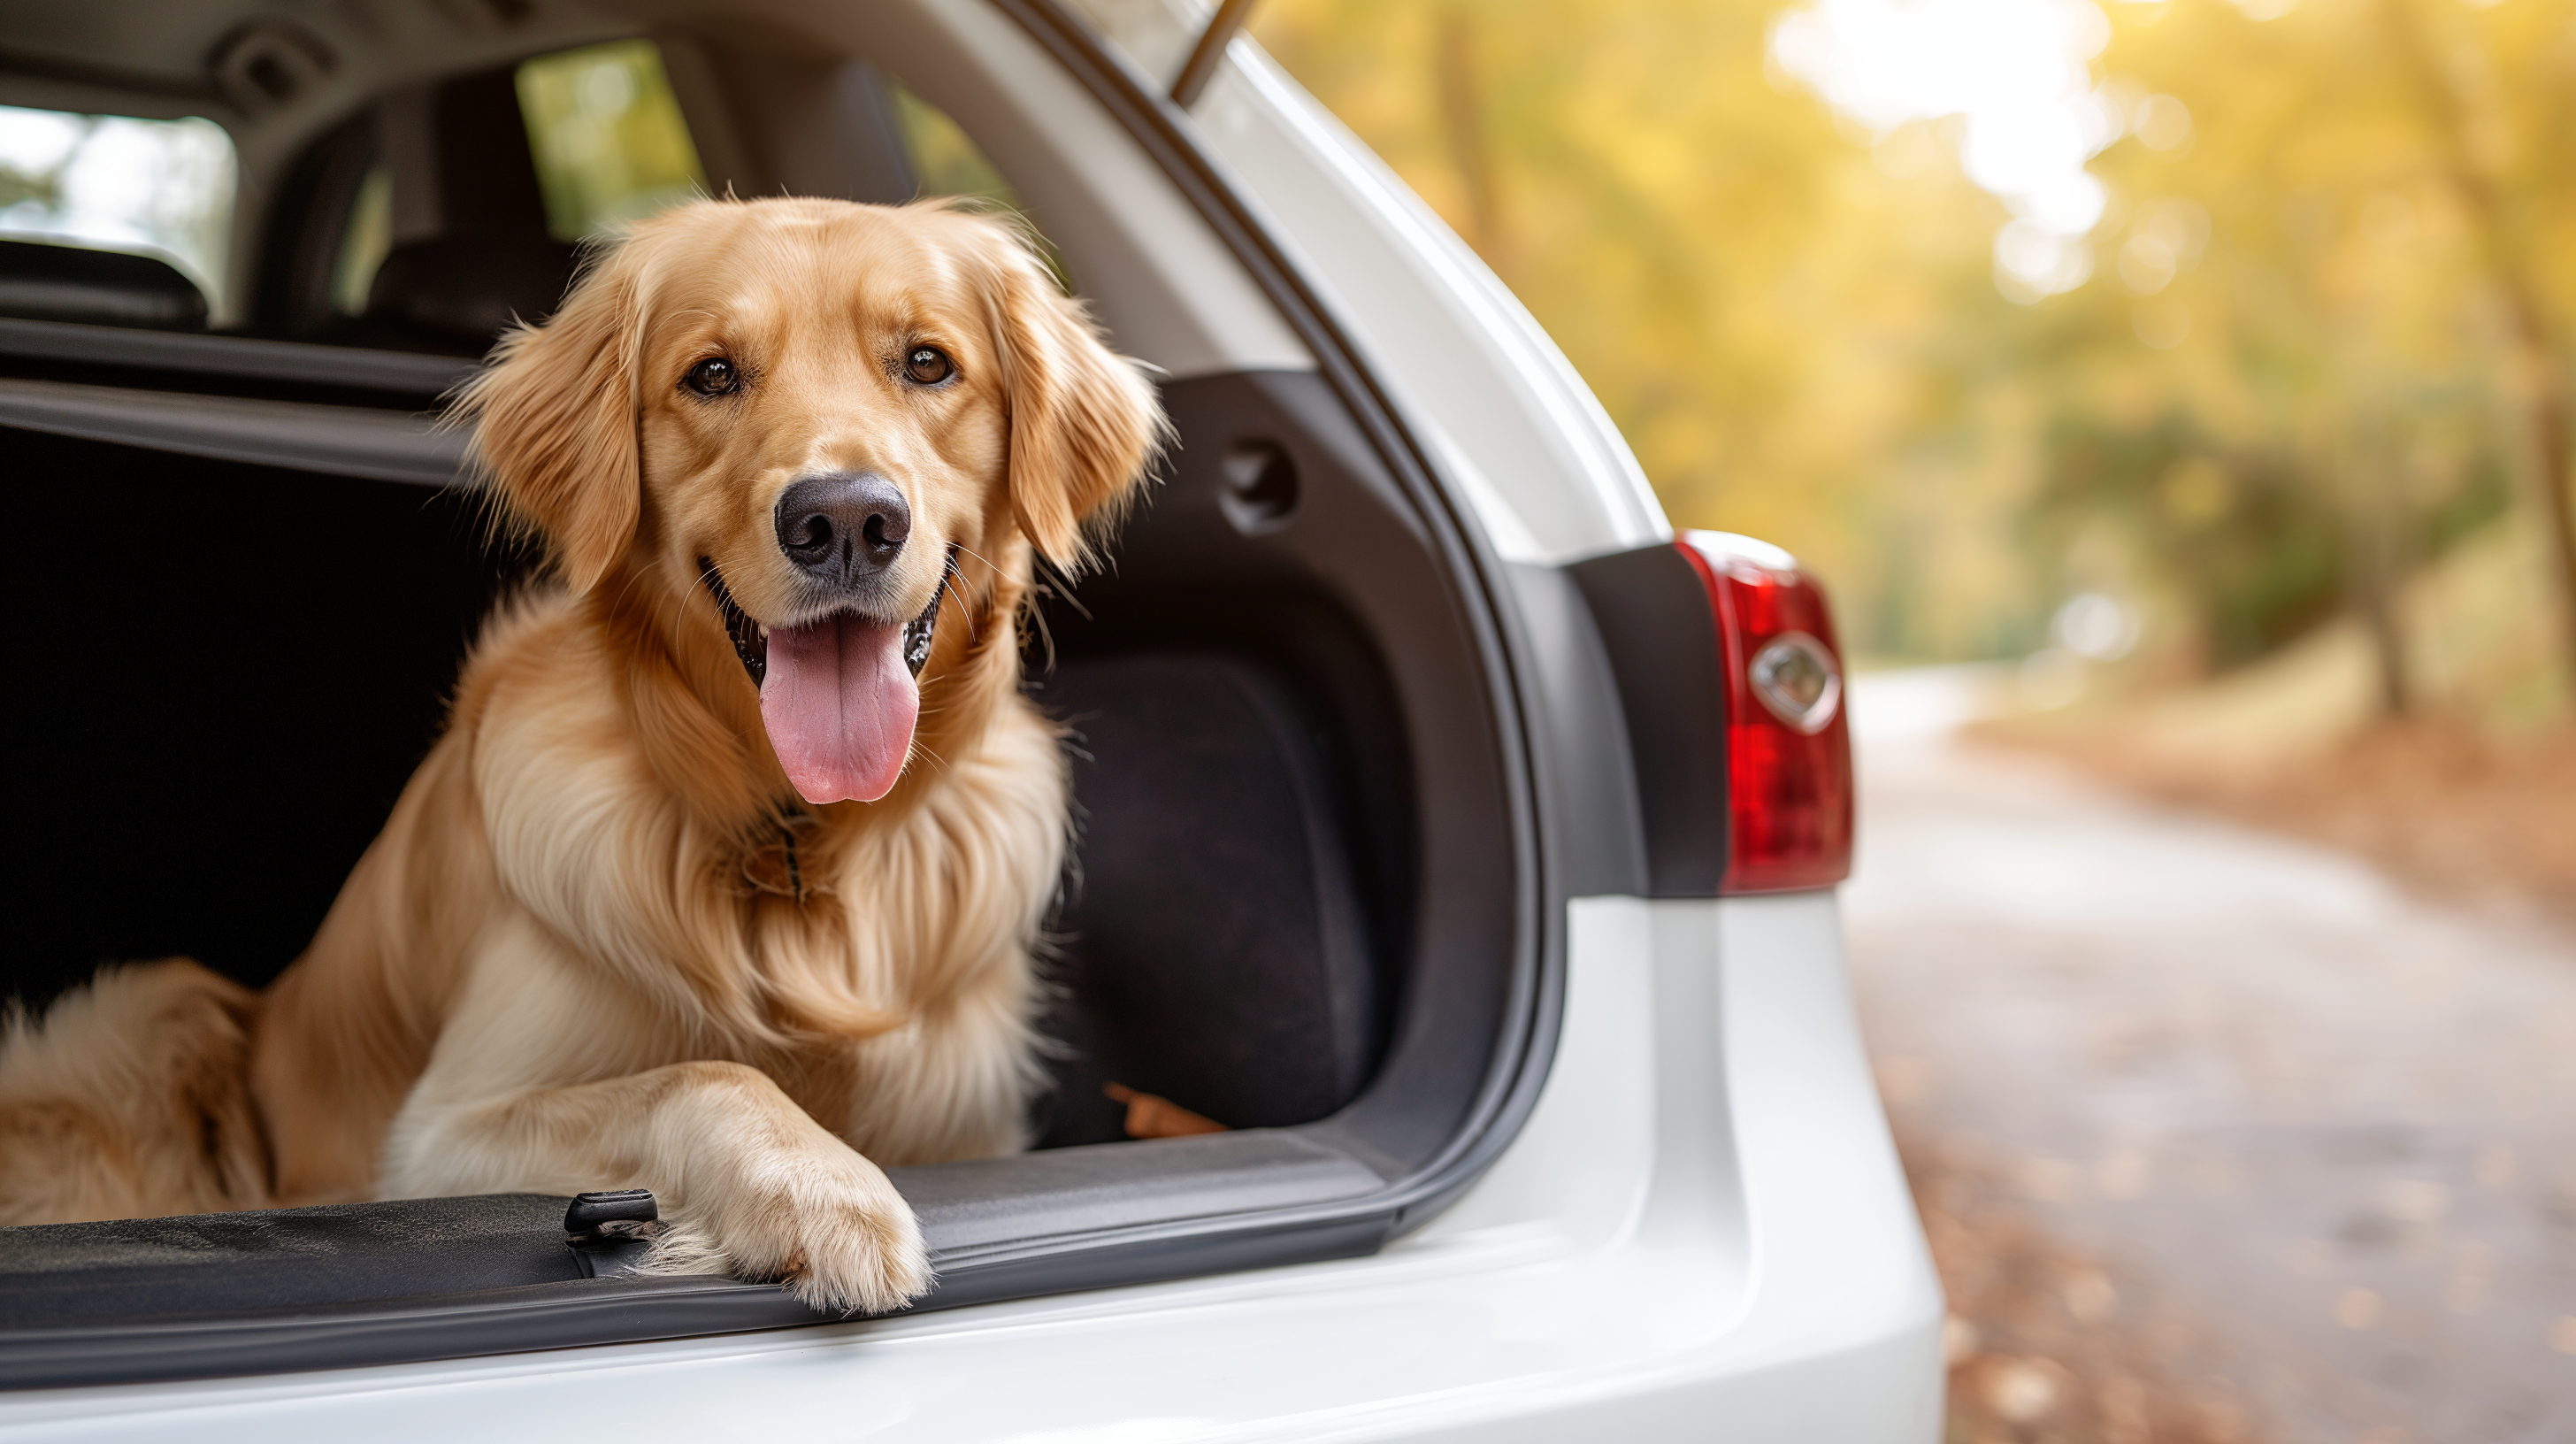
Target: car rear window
157, 188
611, 145
944, 161
608, 138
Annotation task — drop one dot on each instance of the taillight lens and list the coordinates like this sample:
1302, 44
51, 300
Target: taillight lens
1788, 742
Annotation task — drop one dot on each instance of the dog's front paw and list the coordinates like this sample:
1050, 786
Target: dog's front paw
833, 1230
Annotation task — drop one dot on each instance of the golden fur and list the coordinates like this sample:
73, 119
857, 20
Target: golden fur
575, 958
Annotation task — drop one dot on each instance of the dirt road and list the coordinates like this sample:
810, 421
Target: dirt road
2318, 1135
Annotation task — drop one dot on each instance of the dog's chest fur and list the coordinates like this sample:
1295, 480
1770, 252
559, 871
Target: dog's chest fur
874, 960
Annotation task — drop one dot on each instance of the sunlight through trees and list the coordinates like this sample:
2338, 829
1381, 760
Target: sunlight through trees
2240, 314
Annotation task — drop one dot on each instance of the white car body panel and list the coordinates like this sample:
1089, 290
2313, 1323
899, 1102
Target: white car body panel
1701, 1233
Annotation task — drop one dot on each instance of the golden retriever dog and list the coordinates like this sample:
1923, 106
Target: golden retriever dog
723, 879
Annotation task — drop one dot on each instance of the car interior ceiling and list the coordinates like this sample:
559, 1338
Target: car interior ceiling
1272, 705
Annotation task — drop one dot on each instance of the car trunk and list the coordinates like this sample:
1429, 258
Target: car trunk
245, 580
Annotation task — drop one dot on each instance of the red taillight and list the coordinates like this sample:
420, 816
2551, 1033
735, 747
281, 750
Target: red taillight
1788, 743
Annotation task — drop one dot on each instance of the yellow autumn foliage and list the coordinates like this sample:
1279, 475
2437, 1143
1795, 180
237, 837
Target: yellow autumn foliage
2325, 334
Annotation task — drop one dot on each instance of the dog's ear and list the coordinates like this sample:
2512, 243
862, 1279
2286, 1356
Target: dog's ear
1084, 422
554, 417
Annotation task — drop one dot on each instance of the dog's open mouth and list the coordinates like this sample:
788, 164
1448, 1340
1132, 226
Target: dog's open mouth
838, 696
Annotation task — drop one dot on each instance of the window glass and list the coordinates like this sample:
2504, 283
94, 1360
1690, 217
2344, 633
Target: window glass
162, 188
609, 141
944, 160
363, 245
610, 146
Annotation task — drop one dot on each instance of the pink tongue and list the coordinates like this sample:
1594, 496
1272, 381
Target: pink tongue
839, 705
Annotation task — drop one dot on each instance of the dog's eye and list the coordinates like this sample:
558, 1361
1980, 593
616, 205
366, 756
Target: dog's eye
928, 365
714, 376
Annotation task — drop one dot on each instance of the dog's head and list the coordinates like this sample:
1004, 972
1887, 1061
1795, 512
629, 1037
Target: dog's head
815, 421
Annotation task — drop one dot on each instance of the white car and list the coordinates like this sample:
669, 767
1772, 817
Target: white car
1452, 830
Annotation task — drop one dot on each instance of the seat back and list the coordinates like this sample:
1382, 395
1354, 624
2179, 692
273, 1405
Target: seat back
471, 251
46, 282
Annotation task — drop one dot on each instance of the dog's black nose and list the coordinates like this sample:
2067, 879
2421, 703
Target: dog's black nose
842, 530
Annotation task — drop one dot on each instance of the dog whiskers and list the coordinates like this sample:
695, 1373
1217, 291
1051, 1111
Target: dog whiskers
1059, 585
948, 585
1046, 636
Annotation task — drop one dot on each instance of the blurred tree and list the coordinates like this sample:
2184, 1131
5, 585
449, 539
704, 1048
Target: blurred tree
2330, 304
1744, 288
1463, 125
2375, 297
609, 142
2241, 529
2503, 112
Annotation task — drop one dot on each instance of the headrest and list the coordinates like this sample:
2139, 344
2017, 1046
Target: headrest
469, 285
47, 282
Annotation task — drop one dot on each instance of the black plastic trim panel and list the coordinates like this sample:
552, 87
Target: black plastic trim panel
173, 1298
362, 441
1656, 628
289, 361
592, 1312
1592, 805
1662, 648
433, 1326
